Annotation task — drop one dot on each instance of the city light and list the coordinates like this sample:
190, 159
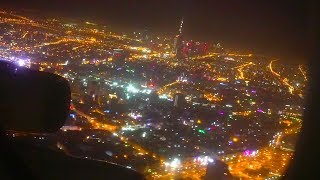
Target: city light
144, 134
174, 164
135, 115
131, 88
203, 160
235, 139
250, 153
160, 103
21, 62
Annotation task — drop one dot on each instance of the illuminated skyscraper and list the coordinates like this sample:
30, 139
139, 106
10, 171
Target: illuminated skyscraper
118, 55
94, 91
179, 100
178, 43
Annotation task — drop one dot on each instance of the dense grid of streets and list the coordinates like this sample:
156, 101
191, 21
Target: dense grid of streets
137, 104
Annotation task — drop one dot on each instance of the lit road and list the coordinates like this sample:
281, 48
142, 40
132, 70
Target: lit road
285, 81
268, 162
96, 124
112, 129
65, 40
271, 69
24, 35
240, 69
161, 90
215, 54
244, 65
303, 73
21, 20
17, 16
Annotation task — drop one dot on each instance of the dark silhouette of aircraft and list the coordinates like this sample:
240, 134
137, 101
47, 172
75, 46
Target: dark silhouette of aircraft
34, 101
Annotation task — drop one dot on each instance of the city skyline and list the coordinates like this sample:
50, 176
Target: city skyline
240, 25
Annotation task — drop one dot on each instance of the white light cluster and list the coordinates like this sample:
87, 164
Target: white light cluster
146, 91
132, 89
203, 160
135, 115
163, 96
20, 61
128, 128
175, 163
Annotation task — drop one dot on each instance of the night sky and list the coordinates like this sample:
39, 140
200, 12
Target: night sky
269, 27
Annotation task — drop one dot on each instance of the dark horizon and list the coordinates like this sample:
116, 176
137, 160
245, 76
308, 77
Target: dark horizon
271, 28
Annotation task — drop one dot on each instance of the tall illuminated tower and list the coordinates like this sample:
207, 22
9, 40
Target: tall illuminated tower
178, 44
181, 25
